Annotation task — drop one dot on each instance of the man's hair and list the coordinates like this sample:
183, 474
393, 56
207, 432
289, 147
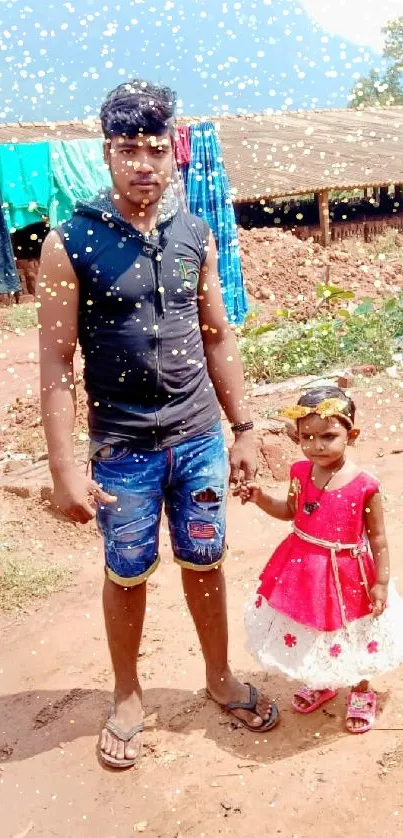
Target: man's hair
138, 107
319, 394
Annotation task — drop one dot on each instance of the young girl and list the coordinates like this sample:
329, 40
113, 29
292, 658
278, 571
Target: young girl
325, 613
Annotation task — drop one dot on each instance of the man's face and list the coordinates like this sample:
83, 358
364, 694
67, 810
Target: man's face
141, 168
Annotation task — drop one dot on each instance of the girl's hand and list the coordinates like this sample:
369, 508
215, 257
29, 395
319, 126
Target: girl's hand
250, 492
379, 598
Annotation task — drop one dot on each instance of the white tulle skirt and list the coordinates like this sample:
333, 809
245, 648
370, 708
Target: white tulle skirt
319, 660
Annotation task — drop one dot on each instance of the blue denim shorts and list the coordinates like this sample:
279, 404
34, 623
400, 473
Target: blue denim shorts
190, 479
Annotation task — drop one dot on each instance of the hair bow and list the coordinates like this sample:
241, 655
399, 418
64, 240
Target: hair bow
329, 407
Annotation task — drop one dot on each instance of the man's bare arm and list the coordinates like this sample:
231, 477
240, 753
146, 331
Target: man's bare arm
225, 366
58, 319
220, 348
57, 293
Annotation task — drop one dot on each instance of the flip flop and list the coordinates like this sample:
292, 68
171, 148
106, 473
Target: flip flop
361, 706
251, 705
123, 736
309, 696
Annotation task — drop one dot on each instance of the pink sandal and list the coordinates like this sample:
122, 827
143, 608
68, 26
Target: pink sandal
313, 702
361, 706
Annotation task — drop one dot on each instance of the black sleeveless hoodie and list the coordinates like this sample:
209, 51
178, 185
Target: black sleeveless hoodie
145, 370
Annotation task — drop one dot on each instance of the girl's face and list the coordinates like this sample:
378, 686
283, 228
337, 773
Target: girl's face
324, 441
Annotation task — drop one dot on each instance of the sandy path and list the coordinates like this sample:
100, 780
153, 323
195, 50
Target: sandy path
200, 775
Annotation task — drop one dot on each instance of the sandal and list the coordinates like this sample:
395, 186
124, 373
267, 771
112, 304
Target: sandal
123, 736
361, 706
313, 698
267, 724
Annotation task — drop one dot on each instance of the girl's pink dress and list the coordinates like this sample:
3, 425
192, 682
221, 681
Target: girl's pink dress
311, 616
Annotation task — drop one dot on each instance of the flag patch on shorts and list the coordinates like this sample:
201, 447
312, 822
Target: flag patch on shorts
198, 529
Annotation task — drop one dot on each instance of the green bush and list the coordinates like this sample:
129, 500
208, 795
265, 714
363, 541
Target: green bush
368, 336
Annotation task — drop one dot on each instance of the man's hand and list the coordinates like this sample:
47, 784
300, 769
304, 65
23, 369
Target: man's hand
74, 496
243, 459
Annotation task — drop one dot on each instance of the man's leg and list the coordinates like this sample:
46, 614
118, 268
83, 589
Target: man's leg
124, 610
131, 530
196, 507
206, 599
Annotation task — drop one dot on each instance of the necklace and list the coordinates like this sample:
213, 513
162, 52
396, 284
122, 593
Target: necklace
310, 507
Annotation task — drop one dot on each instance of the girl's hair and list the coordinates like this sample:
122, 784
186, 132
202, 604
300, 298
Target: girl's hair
138, 107
320, 394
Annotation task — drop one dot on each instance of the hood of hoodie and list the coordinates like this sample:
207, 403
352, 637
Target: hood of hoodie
102, 206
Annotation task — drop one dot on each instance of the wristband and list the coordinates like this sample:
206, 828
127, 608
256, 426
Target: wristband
240, 427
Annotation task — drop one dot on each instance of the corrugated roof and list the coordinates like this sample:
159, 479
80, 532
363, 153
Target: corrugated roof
37, 132
284, 154
303, 152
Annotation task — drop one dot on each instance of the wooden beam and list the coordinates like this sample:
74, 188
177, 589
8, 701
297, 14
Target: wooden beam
324, 217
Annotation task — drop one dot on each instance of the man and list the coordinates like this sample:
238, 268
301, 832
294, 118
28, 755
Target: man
134, 279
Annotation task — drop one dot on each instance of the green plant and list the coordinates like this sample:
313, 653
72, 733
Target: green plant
364, 337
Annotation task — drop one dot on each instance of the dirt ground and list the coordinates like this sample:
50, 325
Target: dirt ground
200, 775
283, 272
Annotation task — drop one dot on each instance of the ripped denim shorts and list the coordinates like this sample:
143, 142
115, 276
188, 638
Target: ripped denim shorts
190, 480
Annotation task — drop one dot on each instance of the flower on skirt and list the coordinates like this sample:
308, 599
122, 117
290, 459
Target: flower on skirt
290, 640
373, 647
335, 651
258, 603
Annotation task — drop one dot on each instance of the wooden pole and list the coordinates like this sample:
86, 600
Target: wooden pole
324, 217
383, 194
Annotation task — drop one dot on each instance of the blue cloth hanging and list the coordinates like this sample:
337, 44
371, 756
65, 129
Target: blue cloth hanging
26, 183
9, 279
209, 195
78, 173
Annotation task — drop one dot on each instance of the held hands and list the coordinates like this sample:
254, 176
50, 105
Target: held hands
249, 492
243, 460
75, 496
379, 598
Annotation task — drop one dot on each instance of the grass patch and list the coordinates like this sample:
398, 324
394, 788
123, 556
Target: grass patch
368, 336
23, 580
18, 318
384, 245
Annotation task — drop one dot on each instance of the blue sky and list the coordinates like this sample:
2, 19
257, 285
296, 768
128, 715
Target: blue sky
59, 59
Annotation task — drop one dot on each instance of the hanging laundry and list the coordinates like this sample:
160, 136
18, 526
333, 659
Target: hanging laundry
9, 279
178, 186
182, 145
26, 183
184, 170
209, 195
79, 172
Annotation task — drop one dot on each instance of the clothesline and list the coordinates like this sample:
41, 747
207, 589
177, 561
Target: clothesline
43, 181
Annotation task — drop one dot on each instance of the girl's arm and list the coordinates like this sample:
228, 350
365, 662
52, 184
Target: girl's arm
283, 510
375, 527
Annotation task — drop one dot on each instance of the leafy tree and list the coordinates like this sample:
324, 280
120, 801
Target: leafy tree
383, 88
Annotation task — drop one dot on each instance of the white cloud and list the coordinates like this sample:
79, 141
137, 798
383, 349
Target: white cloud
359, 21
